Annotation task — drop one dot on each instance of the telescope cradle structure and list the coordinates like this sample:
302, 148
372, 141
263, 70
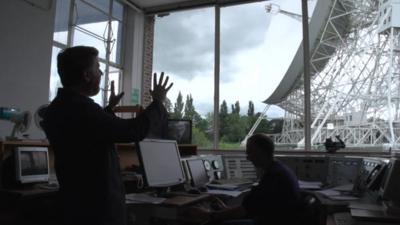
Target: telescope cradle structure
355, 77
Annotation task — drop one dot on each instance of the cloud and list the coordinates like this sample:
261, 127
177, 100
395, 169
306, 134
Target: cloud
184, 41
256, 50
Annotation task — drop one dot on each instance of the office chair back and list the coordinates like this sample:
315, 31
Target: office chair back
311, 211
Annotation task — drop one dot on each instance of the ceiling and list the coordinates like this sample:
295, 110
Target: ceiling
164, 6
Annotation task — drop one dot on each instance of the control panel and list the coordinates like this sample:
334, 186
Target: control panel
343, 170
237, 166
370, 174
212, 164
307, 168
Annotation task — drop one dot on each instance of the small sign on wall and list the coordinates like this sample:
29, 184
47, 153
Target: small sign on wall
135, 96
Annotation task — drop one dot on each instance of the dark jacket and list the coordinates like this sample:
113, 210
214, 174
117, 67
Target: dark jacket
82, 135
275, 200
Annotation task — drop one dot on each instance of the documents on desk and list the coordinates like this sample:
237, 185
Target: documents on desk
334, 194
232, 186
224, 192
310, 185
143, 198
344, 188
366, 206
228, 187
233, 189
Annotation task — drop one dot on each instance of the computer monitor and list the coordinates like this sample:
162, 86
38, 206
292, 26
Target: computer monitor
198, 173
31, 164
391, 182
180, 130
161, 163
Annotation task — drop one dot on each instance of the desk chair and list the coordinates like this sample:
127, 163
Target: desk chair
311, 210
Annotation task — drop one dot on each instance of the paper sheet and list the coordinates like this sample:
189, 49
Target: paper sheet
143, 198
224, 192
310, 184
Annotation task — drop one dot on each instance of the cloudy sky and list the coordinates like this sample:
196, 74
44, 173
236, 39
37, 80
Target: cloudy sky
256, 50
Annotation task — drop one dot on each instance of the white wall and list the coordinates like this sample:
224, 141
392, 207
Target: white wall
26, 34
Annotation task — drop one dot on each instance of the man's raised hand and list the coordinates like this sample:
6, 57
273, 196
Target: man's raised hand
160, 89
114, 99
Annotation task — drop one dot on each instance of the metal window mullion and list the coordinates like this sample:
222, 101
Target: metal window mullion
307, 96
216, 74
70, 37
108, 52
389, 84
90, 33
113, 64
59, 45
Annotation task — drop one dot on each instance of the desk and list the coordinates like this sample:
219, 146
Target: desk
365, 205
27, 206
166, 212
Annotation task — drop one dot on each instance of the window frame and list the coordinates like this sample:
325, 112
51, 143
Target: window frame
107, 62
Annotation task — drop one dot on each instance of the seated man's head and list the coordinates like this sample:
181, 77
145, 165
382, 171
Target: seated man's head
79, 69
260, 150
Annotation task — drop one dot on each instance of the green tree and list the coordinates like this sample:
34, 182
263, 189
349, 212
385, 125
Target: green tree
189, 108
210, 129
235, 108
223, 111
236, 129
200, 138
250, 111
168, 106
223, 114
178, 107
202, 125
190, 111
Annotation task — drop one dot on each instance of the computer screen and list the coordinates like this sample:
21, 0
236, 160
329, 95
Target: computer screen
32, 164
198, 172
161, 162
180, 131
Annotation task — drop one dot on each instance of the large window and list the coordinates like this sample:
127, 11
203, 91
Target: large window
255, 50
255, 53
96, 23
184, 50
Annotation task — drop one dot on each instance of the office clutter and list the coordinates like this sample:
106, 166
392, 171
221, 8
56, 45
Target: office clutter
21, 120
192, 178
25, 166
333, 146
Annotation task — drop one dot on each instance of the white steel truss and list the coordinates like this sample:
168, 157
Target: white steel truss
355, 83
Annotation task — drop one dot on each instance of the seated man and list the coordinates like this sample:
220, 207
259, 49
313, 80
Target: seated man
274, 200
